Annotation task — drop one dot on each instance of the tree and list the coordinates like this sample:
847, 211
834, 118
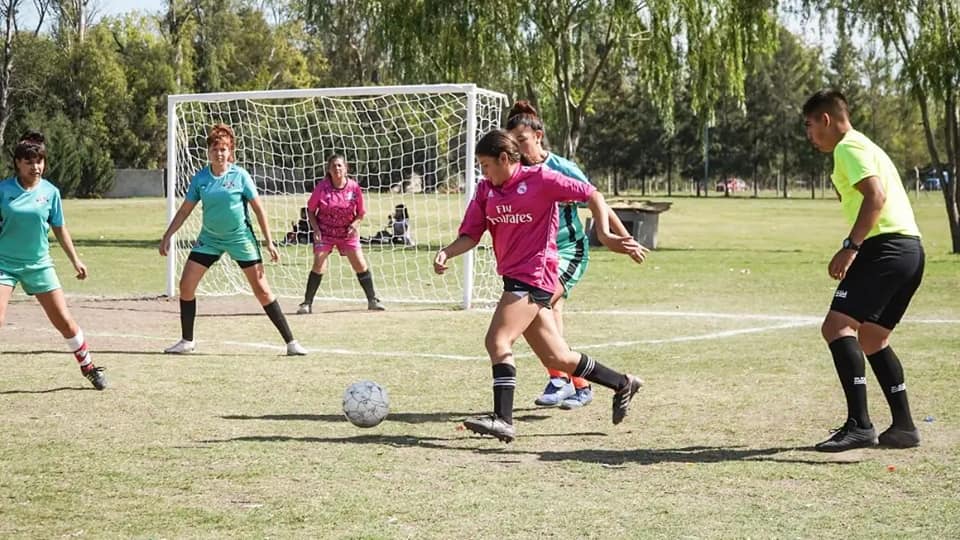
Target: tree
9, 10
923, 36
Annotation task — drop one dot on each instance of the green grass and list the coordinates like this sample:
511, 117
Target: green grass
237, 441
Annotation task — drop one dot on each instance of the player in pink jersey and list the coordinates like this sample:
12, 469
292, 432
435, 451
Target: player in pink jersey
518, 205
335, 210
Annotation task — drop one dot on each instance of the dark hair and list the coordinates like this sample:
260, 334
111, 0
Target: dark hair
31, 145
402, 211
335, 156
523, 114
827, 101
220, 132
496, 142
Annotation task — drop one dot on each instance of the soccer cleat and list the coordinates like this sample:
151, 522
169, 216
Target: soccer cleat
95, 376
581, 398
895, 437
491, 424
848, 437
623, 396
374, 304
181, 347
305, 309
557, 390
295, 349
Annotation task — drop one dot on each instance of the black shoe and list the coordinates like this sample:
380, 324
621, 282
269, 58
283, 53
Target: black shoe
96, 377
491, 424
622, 397
895, 437
848, 437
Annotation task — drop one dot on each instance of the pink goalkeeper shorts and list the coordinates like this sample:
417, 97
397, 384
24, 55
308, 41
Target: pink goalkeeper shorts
343, 245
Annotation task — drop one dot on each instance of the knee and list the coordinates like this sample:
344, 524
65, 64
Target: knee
833, 329
497, 347
872, 342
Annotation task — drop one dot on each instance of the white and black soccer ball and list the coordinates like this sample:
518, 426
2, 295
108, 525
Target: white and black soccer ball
365, 404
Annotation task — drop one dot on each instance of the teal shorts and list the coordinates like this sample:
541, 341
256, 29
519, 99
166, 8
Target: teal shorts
35, 280
243, 248
572, 265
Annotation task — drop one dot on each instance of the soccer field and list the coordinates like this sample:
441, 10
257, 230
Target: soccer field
236, 441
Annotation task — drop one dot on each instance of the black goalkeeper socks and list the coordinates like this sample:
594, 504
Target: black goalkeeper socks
313, 283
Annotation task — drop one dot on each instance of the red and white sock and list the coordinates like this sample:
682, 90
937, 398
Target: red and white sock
78, 345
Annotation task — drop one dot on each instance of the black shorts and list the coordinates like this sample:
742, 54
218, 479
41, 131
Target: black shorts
881, 281
536, 295
207, 260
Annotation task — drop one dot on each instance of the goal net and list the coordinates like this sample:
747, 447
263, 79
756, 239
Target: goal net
405, 145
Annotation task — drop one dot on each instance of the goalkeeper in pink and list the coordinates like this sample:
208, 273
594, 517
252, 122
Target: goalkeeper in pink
518, 206
335, 210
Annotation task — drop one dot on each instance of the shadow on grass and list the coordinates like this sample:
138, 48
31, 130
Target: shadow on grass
116, 242
47, 391
727, 250
607, 458
405, 418
99, 352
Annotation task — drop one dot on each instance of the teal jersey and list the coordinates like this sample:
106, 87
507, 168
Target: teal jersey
25, 221
224, 201
570, 234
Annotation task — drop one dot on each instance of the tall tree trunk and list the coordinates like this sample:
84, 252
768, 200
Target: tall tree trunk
6, 70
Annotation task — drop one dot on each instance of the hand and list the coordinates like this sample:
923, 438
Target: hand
81, 269
317, 237
164, 246
274, 253
618, 244
352, 230
640, 254
440, 262
840, 263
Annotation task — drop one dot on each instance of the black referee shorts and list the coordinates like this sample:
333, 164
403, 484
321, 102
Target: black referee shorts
881, 281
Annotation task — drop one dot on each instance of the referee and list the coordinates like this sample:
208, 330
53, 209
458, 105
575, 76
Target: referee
879, 266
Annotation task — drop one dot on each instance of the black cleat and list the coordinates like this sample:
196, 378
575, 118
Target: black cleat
895, 437
848, 437
491, 424
622, 397
96, 377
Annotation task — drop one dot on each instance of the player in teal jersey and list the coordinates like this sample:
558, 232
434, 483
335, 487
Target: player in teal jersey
525, 125
225, 190
879, 265
30, 207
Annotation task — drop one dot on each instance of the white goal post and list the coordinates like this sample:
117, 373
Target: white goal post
409, 145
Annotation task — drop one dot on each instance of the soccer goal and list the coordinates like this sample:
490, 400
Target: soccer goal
409, 145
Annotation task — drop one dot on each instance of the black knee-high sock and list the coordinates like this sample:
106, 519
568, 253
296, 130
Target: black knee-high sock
504, 383
889, 371
313, 283
276, 316
848, 359
188, 314
594, 371
366, 281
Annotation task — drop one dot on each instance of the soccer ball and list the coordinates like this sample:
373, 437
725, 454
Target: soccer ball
365, 404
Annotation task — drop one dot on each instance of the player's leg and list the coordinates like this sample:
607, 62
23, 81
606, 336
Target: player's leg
875, 340
559, 386
321, 252
351, 249
55, 306
193, 271
6, 291
253, 270
544, 338
513, 313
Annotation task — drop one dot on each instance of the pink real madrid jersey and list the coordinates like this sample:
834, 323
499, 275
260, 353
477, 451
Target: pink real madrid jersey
336, 209
521, 216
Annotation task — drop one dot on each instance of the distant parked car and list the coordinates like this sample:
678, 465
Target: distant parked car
931, 183
732, 184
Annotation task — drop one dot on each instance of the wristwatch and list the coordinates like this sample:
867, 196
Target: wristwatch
850, 244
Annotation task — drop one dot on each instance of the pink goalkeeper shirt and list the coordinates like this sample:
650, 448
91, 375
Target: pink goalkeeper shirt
336, 209
522, 218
